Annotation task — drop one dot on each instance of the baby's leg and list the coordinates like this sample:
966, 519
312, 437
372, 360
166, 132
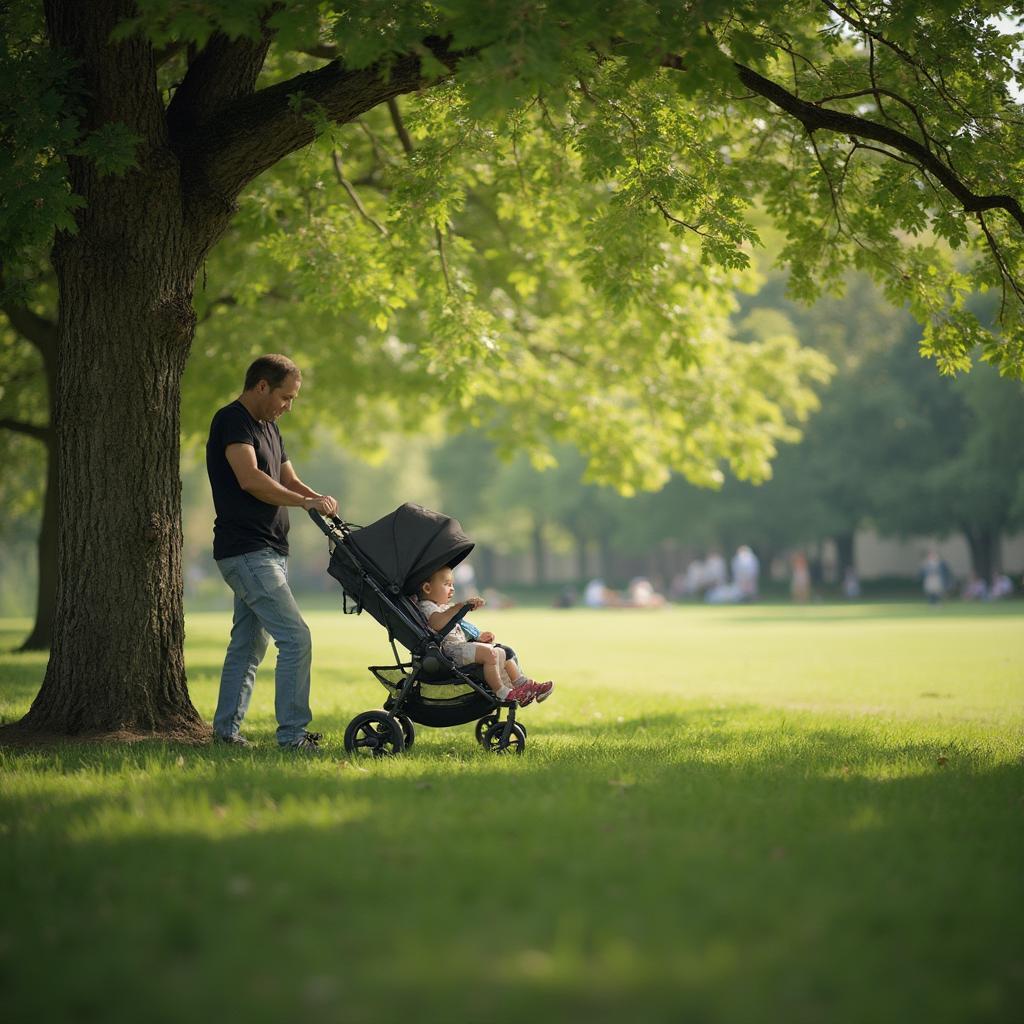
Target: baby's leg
487, 655
503, 667
513, 671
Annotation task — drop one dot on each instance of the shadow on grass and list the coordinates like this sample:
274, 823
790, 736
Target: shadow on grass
693, 866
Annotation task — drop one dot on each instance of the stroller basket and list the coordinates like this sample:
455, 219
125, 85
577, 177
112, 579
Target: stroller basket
437, 704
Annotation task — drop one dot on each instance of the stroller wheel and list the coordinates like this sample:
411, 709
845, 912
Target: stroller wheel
483, 725
497, 743
486, 722
408, 730
374, 734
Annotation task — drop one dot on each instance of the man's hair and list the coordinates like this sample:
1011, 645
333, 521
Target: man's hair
273, 369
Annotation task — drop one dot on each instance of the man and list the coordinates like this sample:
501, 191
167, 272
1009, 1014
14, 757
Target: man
254, 485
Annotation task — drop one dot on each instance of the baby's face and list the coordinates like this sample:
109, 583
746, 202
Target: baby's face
440, 588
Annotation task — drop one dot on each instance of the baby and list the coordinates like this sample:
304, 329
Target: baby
502, 673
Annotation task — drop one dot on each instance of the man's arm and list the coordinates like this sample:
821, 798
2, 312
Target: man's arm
242, 459
290, 479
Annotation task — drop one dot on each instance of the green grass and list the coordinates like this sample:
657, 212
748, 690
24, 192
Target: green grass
742, 814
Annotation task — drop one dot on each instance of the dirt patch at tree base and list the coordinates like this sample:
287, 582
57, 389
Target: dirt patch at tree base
15, 735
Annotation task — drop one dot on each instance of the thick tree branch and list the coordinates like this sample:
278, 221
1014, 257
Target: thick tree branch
35, 329
323, 51
226, 152
40, 433
225, 70
815, 118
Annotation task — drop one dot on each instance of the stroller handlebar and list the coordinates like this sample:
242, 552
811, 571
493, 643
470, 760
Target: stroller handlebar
329, 525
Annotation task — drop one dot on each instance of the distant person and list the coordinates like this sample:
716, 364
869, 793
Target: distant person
724, 593
851, 584
933, 577
697, 577
715, 572
465, 579
745, 571
254, 484
593, 594
975, 589
641, 594
800, 579
1002, 586
566, 598
597, 595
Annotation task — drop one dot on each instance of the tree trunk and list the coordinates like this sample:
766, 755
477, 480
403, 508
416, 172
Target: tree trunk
983, 542
46, 588
117, 657
845, 552
539, 560
126, 323
125, 326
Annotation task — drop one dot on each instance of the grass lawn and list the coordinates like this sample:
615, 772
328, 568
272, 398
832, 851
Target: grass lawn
723, 814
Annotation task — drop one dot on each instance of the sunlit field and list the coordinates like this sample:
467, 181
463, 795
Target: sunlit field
740, 814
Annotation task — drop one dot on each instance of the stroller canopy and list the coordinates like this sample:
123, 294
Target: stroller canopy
411, 544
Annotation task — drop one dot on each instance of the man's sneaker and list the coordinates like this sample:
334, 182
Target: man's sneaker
236, 739
523, 694
308, 743
543, 691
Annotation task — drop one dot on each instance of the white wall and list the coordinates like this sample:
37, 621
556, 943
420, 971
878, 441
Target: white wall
887, 556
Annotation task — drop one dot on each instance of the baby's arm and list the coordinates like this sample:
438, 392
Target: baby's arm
441, 619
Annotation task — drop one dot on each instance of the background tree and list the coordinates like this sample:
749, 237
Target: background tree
134, 129
28, 376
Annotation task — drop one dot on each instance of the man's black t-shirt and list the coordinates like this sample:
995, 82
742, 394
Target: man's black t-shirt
244, 523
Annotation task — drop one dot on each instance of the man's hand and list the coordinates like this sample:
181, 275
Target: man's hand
325, 505
486, 637
476, 602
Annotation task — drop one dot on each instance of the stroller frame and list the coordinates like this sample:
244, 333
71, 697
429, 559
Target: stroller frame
391, 730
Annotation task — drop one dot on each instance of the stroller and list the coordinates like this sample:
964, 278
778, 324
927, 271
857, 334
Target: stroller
380, 567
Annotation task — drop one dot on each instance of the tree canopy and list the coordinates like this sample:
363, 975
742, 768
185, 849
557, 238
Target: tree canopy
531, 218
570, 172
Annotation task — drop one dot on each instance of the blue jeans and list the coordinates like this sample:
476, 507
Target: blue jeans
264, 607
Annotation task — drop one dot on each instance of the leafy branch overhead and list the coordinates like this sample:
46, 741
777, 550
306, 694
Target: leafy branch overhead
545, 235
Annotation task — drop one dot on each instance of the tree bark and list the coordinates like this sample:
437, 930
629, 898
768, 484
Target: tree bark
983, 542
41, 636
124, 330
46, 547
41, 333
125, 327
845, 552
